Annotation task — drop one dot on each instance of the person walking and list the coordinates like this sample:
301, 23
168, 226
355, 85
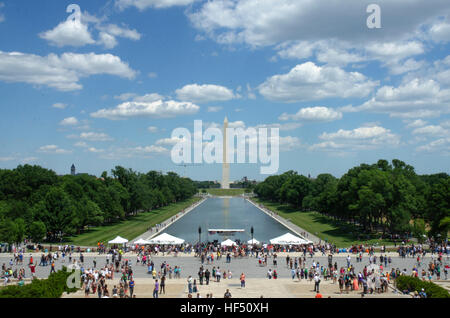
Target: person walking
242, 278
155, 291
131, 286
316, 282
189, 281
163, 285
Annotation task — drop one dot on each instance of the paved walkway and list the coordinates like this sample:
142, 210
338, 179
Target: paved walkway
287, 223
156, 231
255, 288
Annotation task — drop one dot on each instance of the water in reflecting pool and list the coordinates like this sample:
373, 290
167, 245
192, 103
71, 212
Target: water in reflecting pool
227, 213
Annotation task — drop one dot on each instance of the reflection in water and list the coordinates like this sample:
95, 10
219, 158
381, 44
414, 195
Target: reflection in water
226, 213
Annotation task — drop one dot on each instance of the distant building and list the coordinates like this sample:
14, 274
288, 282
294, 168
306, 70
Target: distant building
72, 170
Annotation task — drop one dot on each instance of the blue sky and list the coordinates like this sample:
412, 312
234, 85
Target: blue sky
108, 88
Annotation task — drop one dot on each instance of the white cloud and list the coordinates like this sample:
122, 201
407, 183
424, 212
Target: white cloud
109, 33
157, 4
432, 130
77, 32
53, 149
397, 50
153, 129
415, 123
318, 114
81, 144
71, 121
152, 75
121, 31
204, 93
441, 145
307, 82
133, 152
59, 105
69, 33
61, 72
93, 136
4, 159
440, 32
268, 22
107, 40
417, 98
95, 150
169, 141
281, 127
362, 138
155, 109
214, 109
29, 160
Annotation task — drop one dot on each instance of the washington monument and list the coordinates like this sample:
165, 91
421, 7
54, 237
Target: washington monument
225, 164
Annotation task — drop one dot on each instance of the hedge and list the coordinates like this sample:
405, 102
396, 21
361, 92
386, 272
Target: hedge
52, 287
413, 284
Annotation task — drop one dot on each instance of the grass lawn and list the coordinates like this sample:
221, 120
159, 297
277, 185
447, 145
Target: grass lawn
131, 227
340, 233
225, 192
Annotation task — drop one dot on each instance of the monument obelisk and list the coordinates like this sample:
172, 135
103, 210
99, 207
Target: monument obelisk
225, 164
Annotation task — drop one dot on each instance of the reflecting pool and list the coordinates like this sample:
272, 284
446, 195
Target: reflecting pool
227, 213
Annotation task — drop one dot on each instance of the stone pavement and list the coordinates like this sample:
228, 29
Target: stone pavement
255, 288
248, 266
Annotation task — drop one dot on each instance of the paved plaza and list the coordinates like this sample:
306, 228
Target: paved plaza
257, 283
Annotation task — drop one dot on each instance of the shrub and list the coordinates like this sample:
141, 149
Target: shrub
415, 284
52, 287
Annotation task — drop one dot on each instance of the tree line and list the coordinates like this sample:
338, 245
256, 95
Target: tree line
38, 204
384, 197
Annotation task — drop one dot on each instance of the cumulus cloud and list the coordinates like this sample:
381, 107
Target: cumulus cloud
71, 121
154, 109
79, 32
415, 123
440, 32
432, 130
59, 105
115, 153
307, 82
441, 145
267, 22
204, 93
93, 136
417, 98
60, 72
53, 149
157, 4
362, 138
317, 114
214, 109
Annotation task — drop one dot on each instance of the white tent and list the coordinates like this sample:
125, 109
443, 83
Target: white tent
228, 243
288, 239
118, 240
142, 242
166, 239
253, 241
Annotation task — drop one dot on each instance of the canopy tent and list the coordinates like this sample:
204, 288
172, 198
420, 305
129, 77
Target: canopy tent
118, 240
228, 243
288, 239
253, 241
142, 242
166, 239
